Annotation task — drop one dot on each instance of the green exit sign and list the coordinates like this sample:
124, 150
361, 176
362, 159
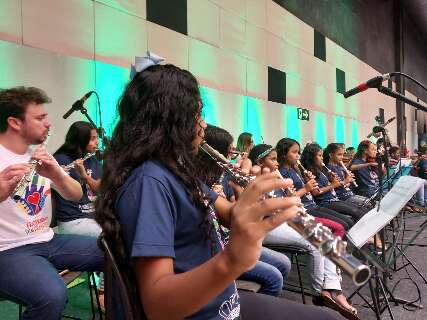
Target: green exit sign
303, 114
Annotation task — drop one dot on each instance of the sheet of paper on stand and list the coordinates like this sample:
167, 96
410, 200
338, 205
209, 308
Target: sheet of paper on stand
391, 204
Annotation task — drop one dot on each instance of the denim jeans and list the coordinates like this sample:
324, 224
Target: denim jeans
270, 272
322, 271
85, 227
29, 274
421, 195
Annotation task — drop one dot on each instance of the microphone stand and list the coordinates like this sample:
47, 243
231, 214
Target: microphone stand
99, 130
399, 96
381, 282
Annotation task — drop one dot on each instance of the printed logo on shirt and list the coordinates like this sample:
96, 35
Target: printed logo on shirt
374, 176
34, 198
230, 309
90, 194
32, 203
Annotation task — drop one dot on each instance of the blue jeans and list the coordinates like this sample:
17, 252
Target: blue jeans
29, 274
270, 272
421, 195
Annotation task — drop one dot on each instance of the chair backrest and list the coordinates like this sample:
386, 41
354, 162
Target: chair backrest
131, 306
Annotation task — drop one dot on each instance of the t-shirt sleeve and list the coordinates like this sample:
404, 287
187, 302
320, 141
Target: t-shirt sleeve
212, 195
357, 161
155, 225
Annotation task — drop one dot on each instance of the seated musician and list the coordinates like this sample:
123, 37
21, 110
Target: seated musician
77, 156
30, 253
155, 212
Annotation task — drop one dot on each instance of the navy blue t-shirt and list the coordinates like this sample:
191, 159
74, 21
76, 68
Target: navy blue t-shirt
323, 181
343, 193
422, 165
228, 191
159, 219
366, 178
306, 199
66, 210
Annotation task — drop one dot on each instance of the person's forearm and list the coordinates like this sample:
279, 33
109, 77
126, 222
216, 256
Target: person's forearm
316, 192
176, 296
93, 184
301, 192
67, 187
355, 167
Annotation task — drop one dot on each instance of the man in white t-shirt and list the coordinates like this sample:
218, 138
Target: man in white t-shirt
30, 253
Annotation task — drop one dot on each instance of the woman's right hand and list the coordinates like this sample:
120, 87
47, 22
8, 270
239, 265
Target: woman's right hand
252, 217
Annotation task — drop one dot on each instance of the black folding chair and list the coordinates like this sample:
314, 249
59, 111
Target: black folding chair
113, 278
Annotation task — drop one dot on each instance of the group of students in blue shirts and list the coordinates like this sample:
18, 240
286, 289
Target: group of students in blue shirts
182, 244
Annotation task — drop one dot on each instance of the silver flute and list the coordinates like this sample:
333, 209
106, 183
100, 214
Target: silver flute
318, 235
26, 179
70, 166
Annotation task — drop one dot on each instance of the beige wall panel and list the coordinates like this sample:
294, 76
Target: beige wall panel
232, 32
256, 43
217, 69
171, 45
119, 37
11, 21
256, 12
276, 19
275, 52
62, 26
134, 7
236, 6
298, 33
65, 79
233, 73
291, 57
257, 80
273, 124
203, 21
315, 71
354, 105
204, 62
229, 111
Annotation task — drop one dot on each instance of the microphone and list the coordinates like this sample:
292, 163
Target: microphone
380, 128
77, 105
371, 83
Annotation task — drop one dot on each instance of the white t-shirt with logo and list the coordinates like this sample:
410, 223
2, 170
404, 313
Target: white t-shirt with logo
26, 219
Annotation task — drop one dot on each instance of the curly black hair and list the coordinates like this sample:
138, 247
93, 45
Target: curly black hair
307, 158
221, 140
159, 119
76, 139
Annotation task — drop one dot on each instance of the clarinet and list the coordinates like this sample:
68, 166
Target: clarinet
70, 166
317, 234
305, 172
19, 190
333, 174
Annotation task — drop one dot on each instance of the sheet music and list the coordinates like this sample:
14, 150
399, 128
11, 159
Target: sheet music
391, 204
